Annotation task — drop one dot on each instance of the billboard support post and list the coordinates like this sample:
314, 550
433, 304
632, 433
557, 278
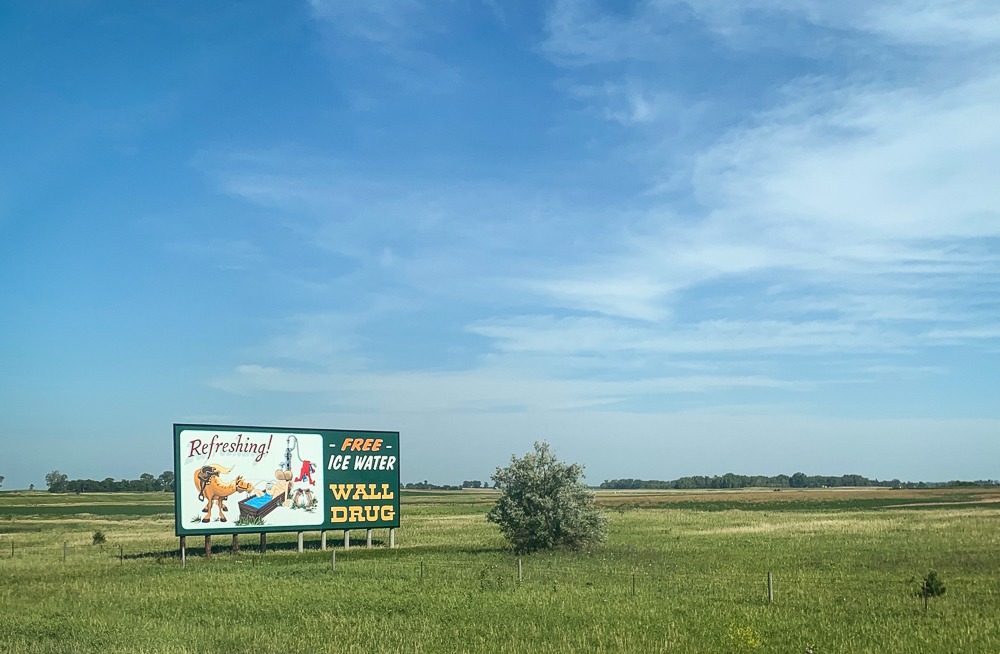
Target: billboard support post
392, 537
300, 543
183, 550
208, 546
347, 539
322, 541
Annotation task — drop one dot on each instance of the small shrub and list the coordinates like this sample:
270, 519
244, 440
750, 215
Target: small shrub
931, 586
543, 504
99, 538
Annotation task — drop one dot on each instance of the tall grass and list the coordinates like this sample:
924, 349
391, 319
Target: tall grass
846, 580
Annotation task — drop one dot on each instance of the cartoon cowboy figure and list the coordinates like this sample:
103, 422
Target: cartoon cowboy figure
306, 473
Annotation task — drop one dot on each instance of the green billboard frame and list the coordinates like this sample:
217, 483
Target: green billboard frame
351, 481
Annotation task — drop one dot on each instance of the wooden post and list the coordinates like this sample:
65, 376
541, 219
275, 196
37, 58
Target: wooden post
208, 546
368, 538
300, 543
184, 551
770, 588
263, 542
322, 541
236, 544
392, 538
520, 577
347, 539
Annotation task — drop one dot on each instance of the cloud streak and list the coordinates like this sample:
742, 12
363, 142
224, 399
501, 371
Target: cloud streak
845, 213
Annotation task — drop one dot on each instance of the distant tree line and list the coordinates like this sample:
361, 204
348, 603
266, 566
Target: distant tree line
58, 482
61, 483
425, 485
798, 480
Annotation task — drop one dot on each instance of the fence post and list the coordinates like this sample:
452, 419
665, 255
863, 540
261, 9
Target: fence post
770, 588
520, 576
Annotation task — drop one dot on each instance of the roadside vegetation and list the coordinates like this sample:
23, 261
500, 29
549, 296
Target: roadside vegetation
678, 572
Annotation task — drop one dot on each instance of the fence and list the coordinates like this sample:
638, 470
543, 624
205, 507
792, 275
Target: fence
493, 572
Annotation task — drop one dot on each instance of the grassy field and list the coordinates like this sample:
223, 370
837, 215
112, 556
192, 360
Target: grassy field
680, 572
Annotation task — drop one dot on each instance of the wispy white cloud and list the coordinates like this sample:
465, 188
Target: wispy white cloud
984, 332
441, 236
317, 341
855, 214
376, 20
852, 186
481, 389
395, 32
962, 23
872, 166
594, 335
581, 33
225, 254
636, 297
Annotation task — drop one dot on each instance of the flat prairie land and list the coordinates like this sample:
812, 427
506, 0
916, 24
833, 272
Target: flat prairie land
681, 571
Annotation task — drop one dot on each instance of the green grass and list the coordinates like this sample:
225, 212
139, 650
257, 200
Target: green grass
846, 578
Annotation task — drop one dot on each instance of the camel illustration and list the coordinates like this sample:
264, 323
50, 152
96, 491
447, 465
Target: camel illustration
212, 490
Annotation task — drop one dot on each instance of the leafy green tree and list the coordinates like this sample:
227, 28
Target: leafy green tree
56, 481
544, 505
166, 481
1, 480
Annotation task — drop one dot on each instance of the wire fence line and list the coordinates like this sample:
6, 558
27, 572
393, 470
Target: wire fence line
503, 572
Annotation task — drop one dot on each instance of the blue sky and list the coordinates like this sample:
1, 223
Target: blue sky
669, 237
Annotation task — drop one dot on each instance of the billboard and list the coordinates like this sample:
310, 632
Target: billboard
259, 479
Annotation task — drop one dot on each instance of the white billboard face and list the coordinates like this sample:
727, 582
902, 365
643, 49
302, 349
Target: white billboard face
228, 479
